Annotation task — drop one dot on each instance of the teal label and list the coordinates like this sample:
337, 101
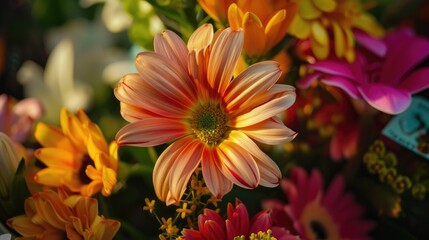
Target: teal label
411, 128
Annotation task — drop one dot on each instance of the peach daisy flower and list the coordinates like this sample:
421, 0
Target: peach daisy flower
58, 215
187, 94
76, 155
319, 21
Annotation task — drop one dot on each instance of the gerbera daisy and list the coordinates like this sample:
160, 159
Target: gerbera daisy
187, 94
58, 215
318, 214
76, 155
318, 20
211, 225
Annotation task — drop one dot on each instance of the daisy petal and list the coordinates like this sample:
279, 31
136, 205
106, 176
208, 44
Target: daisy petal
57, 158
163, 167
385, 98
216, 182
170, 80
49, 136
184, 167
255, 79
150, 132
265, 110
172, 47
337, 68
268, 169
201, 38
223, 59
271, 131
237, 164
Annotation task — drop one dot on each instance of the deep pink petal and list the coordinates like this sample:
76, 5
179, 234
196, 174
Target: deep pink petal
238, 165
374, 45
223, 58
335, 68
261, 222
150, 132
190, 158
385, 98
348, 86
216, 182
306, 81
334, 192
212, 230
416, 81
402, 57
189, 234
315, 186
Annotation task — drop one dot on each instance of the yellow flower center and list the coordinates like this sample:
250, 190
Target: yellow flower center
318, 223
209, 123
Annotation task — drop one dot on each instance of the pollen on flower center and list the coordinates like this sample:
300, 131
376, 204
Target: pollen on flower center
209, 123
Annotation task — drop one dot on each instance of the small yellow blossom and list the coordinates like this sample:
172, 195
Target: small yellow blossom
184, 210
150, 205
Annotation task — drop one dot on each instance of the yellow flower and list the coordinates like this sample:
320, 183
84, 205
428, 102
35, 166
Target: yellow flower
318, 19
56, 215
265, 23
76, 155
183, 210
150, 205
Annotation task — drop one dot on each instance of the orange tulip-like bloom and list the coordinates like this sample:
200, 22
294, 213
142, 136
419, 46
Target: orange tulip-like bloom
217, 10
318, 20
187, 94
52, 215
76, 155
265, 23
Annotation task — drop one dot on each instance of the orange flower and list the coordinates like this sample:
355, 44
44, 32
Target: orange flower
217, 9
52, 215
187, 94
76, 155
318, 19
265, 23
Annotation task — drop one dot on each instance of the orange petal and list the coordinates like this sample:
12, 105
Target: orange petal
276, 29
169, 80
150, 132
184, 167
216, 182
223, 59
49, 136
254, 35
266, 109
268, 169
271, 131
238, 165
235, 16
201, 38
257, 78
58, 158
172, 47
163, 167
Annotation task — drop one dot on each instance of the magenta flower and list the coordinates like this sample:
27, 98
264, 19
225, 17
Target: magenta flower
384, 79
317, 214
211, 225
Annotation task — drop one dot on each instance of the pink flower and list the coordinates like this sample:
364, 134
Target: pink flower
211, 225
384, 79
187, 94
317, 214
17, 118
